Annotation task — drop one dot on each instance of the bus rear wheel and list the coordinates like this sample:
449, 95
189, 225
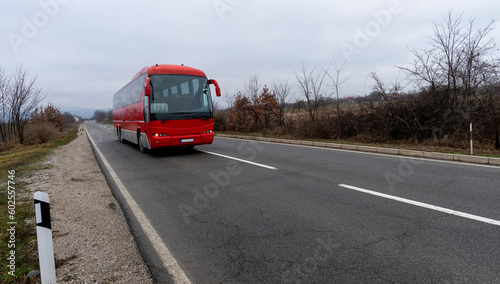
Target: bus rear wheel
139, 142
120, 136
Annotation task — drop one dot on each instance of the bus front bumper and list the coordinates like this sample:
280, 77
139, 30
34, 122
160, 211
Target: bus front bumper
181, 140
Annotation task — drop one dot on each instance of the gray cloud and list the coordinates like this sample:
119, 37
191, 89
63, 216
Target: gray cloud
84, 51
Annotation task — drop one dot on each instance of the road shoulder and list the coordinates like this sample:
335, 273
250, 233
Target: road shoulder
92, 241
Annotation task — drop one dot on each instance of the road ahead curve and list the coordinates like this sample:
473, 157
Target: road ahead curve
251, 212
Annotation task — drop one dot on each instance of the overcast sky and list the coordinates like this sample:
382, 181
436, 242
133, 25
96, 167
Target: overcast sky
84, 51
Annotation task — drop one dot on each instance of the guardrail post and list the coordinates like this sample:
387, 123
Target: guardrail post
44, 238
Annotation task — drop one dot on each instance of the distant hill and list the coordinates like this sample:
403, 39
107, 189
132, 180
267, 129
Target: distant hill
85, 113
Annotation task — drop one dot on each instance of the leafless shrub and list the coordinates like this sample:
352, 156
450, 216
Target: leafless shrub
221, 120
281, 89
25, 97
310, 83
19, 97
40, 133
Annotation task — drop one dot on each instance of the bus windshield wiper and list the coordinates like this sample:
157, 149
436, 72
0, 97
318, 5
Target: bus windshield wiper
169, 117
204, 117
187, 115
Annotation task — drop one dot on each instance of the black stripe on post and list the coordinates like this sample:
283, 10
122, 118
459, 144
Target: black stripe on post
45, 212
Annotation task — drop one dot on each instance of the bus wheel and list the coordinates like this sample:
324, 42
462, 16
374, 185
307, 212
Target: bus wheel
120, 136
141, 147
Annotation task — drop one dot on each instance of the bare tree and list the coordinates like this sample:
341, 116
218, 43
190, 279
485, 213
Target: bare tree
379, 86
477, 64
304, 81
216, 106
459, 65
425, 71
4, 106
282, 91
336, 80
252, 88
447, 42
99, 115
317, 89
490, 104
24, 98
230, 100
311, 85
458, 61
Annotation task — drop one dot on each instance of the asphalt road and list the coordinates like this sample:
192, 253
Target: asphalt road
294, 214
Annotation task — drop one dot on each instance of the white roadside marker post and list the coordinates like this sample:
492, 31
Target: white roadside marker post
44, 238
471, 145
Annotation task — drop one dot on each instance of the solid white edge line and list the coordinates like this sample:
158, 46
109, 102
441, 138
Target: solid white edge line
240, 160
169, 261
424, 205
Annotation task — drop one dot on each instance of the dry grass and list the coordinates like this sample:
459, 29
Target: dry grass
24, 160
39, 133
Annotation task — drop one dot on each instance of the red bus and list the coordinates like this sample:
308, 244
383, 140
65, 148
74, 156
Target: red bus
165, 106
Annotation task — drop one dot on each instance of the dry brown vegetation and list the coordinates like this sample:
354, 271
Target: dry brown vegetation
22, 121
456, 81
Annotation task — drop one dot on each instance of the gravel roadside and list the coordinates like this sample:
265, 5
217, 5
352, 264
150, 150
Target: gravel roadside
92, 241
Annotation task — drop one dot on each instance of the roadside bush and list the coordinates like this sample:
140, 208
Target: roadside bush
39, 133
303, 129
5, 146
324, 126
221, 120
49, 114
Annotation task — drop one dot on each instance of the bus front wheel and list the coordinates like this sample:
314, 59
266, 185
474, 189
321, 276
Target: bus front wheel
139, 142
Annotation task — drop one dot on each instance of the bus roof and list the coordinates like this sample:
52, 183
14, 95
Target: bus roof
170, 69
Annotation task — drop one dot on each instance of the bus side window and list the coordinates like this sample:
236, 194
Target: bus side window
146, 109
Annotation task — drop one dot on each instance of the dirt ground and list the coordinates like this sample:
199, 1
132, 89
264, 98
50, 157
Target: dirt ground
92, 241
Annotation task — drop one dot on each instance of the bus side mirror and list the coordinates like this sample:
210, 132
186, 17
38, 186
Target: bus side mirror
217, 89
147, 88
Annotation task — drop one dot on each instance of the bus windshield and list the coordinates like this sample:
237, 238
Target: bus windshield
175, 97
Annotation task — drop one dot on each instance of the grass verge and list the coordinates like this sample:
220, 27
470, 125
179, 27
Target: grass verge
18, 245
